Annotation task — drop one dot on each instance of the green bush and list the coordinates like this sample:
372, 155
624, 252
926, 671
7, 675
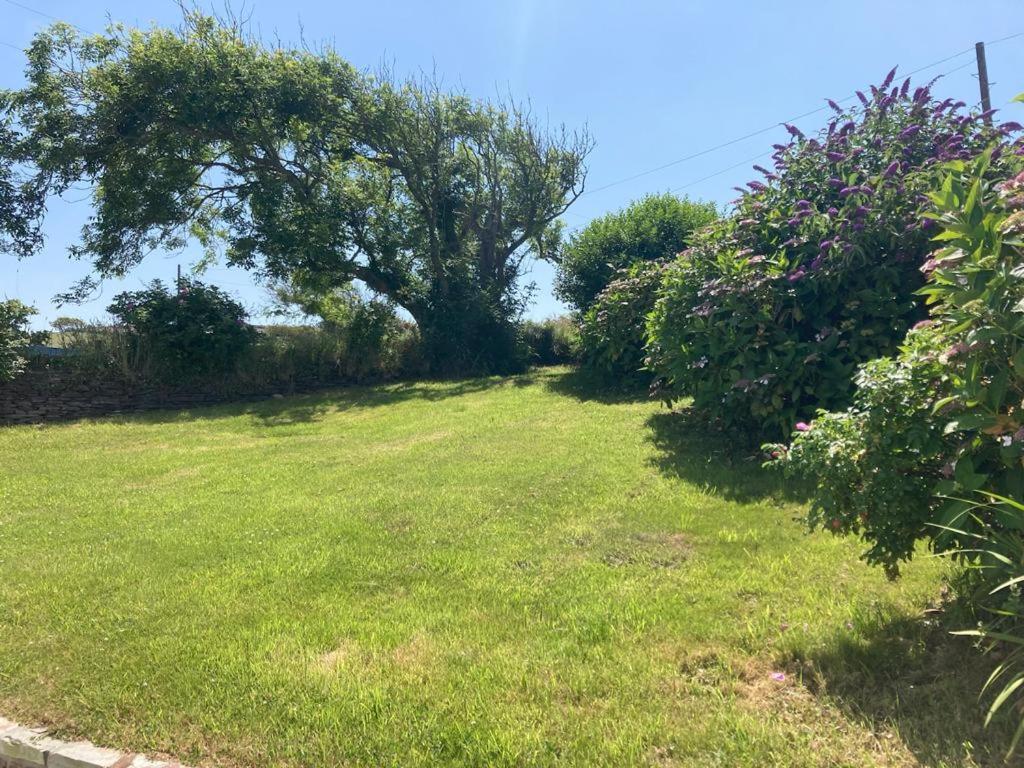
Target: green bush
14, 337
942, 421
933, 448
194, 333
612, 335
766, 318
652, 229
554, 341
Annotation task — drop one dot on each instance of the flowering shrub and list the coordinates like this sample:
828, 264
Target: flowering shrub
651, 229
14, 336
766, 318
942, 421
612, 333
190, 334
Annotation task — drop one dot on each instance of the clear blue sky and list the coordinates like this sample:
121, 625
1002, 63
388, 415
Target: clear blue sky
654, 81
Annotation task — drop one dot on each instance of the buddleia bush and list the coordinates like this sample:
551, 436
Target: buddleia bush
942, 421
612, 334
766, 318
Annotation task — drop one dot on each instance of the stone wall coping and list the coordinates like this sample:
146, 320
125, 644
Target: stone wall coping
22, 747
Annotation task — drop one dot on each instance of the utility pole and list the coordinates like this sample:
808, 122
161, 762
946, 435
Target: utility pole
179, 280
986, 99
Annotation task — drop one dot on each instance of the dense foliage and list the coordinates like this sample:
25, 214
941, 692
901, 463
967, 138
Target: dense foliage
933, 447
298, 166
942, 421
766, 318
552, 341
14, 336
612, 334
193, 332
654, 228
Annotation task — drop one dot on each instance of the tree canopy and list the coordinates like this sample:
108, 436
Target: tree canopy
292, 163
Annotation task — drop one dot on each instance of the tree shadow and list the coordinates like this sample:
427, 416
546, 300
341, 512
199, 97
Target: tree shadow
911, 677
588, 387
731, 467
281, 411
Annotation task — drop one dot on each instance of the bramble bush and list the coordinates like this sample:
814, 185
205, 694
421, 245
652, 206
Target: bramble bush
14, 337
654, 228
767, 316
612, 334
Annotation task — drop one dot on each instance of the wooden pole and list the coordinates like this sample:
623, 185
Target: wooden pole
986, 99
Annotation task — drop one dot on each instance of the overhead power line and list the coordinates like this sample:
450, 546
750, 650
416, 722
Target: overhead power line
775, 126
45, 15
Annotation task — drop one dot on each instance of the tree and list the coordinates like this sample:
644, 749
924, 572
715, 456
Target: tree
654, 228
299, 167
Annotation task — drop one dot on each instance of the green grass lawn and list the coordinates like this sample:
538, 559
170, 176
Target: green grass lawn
484, 572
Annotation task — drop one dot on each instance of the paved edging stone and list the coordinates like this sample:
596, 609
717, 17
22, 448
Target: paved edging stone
22, 747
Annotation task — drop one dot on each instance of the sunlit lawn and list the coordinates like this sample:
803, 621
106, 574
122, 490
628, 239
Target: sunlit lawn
484, 572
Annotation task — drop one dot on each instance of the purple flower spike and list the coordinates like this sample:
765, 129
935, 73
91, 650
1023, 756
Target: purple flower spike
824, 245
835, 157
847, 191
834, 106
797, 275
816, 264
794, 131
801, 204
833, 211
802, 426
836, 183
892, 168
910, 131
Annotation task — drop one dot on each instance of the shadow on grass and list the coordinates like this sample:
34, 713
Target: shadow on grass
294, 409
691, 450
585, 386
911, 678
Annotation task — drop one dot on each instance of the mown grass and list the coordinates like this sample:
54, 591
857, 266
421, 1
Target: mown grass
484, 572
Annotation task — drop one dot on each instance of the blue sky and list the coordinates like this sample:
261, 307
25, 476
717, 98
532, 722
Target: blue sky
653, 81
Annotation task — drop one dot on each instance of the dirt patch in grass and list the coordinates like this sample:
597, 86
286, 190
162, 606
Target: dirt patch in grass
415, 655
833, 737
656, 550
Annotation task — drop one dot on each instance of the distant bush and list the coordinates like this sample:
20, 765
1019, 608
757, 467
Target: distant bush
766, 318
14, 337
195, 332
553, 341
612, 335
356, 340
654, 228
